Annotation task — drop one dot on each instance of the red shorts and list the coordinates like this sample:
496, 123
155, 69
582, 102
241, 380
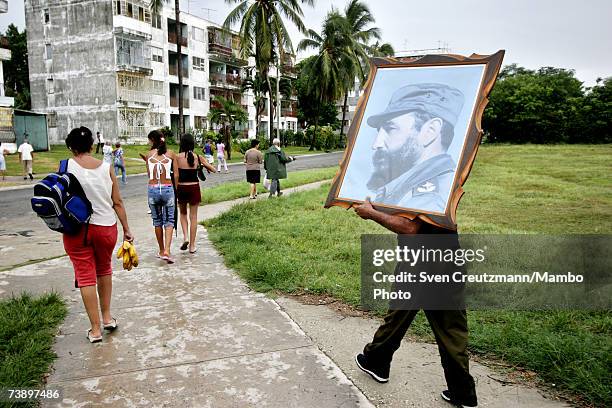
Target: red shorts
92, 260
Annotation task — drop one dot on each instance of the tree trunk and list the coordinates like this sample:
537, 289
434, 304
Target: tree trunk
178, 33
343, 116
314, 134
228, 142
271, 115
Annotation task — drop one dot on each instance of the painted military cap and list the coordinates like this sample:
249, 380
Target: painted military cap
439, 100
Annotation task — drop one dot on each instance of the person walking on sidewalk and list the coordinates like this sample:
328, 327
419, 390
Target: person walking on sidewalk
3, 151
449, 326
275, 164
221, 157
119, 162
26, 156
100, 142
188, 190
208, 151
107, 152
162, 169
253, 159
92, 261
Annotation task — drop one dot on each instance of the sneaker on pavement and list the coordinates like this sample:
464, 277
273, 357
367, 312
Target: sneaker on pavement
379, 373
468, 403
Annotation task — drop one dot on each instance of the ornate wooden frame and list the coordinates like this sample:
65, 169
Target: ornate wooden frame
474, 133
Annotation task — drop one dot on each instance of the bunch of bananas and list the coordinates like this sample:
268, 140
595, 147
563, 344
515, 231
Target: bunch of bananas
127, 251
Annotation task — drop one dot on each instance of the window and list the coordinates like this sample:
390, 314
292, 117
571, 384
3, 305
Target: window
199, 64
157, 54
118, 7
130, 10
141, 14
46, 14
156, 21
199, 34
48, 52
52, 119
157, 87
50, 86
200, 122
199, 93
156, 119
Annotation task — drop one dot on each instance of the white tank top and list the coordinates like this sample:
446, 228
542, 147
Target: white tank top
98, 187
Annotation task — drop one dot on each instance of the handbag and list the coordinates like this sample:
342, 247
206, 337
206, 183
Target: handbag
267, 183
200, 171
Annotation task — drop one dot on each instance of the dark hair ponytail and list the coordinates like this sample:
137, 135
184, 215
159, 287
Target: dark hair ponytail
187, 145
159, 142
79, 140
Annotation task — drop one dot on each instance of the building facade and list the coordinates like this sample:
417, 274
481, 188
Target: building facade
112, 65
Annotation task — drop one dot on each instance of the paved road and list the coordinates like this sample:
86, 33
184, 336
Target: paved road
16, 203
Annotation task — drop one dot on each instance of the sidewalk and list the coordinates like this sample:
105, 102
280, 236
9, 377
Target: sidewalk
193, 335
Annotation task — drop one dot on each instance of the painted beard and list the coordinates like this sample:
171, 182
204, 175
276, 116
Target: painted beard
389, 165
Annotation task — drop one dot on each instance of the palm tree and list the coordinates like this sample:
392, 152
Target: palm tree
262, 30
156, 6
359, 18
227, 114
255, 83
381, 50
329, 70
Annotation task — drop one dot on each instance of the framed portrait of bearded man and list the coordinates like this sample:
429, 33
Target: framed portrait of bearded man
415, 134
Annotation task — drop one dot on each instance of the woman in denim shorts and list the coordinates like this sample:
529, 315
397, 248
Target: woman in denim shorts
162, 167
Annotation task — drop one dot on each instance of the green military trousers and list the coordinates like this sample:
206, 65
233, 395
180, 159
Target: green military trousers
451, 332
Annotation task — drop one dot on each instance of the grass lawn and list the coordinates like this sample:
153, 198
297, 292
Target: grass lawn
27, 328
512, 189
47, 162
230, 191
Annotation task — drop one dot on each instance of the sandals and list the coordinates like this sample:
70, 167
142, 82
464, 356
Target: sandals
185, 246
168, 259
111, 326
194, 251
93, 339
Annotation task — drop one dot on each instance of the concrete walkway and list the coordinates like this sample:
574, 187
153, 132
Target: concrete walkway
193, 334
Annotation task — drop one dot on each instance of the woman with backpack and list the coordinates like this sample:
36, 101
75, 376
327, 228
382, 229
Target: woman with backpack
188, 189
162, 168
91, 250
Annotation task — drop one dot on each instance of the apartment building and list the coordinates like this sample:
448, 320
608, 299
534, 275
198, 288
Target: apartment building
111, 65
6, 103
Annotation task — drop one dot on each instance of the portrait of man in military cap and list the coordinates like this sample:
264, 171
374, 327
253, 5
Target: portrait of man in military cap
411, 168
412, 127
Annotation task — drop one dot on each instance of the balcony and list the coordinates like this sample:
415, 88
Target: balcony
289, 112
174, 100
134, 96
214, 104
223, 47
172, 39
173, 70
133, 51
352, 101
225, 80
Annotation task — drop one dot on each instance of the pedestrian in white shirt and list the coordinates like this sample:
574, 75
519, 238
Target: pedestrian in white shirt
107, 151
3, 151
100, 144
26, 157
221, 157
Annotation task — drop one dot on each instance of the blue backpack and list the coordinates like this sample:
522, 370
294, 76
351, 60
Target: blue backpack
60, 201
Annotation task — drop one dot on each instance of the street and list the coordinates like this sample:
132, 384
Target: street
24, 237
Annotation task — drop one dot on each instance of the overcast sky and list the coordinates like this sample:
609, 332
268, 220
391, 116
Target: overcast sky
569, 34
